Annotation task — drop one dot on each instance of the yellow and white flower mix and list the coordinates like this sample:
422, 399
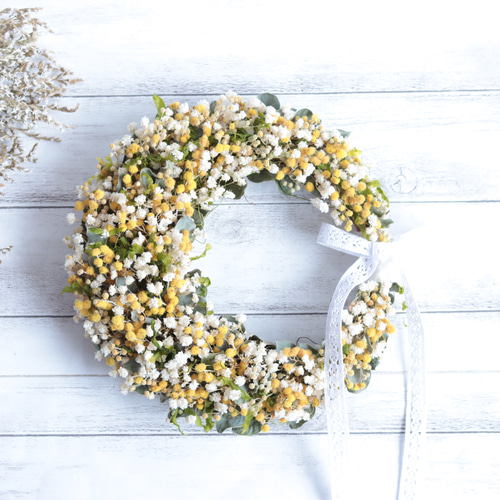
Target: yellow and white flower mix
145, 308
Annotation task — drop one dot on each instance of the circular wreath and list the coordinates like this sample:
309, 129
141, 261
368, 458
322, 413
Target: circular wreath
146, 310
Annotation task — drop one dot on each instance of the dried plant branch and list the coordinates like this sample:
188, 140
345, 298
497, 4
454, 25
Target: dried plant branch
30, 79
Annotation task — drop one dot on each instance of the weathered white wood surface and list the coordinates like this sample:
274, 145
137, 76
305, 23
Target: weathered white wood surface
419, 87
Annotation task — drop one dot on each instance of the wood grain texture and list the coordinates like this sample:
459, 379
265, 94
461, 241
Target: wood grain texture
118, 467
49, 405
372, 47
423, 147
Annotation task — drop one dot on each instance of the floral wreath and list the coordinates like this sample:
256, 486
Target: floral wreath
146, 310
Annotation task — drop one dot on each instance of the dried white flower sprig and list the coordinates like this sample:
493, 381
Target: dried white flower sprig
29, 79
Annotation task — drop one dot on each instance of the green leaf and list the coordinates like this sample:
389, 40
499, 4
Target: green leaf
386, 222
147, 177
120, 281
209, 424
226, 421
384, 196
115, 231
253, 428
346, 348
132, 366
357, 377
94, 235
186, 222
212, 107
173, 419
199, 217
141, 389
262, 176
354, 152
119, 185
281, 344
323, 166
236, 189
296, 425
232, 319
284, 188
344, 133
159, 105
135, 249
270, 100
207, 248
300, 423
304, 112
230, 383
164, 260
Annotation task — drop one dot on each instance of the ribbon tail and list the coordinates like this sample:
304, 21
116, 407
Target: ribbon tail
335, 401
415, 400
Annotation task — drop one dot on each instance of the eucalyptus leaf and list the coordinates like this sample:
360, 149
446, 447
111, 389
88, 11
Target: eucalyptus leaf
374, 363
212, 107
141, 389
253, 428
270, 100
282, 344
232, 319
94, 235
262, 176
284, 188
300, 423
304, 112
186, 223
119, 185
305, 346
186, 299
236, 189
355, 378
296, 425
396, 287
132, 366
358, 377
344, 133
369, 345
226, 421
120, 281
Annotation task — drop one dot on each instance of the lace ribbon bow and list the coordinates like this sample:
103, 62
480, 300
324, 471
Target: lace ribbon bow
370, 256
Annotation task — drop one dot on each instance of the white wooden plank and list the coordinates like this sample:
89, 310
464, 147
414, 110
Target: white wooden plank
94, 405
275, 262
57, 346
415, 140
459, 466
192, 47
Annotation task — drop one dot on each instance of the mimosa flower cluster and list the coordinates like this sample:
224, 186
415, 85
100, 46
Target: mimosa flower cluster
144, 306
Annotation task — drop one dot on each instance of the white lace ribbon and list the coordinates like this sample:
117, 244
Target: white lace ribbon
370, 255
